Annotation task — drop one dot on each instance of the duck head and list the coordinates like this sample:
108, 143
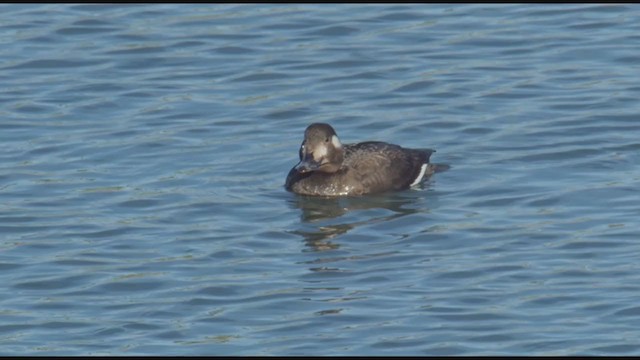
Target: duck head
321, 150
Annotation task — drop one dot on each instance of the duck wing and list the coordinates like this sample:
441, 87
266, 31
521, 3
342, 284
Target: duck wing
379, 166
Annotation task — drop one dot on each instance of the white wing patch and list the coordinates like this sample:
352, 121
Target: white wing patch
420, 176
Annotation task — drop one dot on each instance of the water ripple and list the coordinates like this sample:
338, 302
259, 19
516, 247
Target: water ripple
144, 151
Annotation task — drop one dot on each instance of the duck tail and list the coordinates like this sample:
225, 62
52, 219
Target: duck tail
436, 168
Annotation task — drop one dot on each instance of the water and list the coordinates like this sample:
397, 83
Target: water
143, 150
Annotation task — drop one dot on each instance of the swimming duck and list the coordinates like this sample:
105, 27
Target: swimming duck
329, 168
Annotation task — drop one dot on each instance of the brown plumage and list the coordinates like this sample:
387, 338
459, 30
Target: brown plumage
329, 168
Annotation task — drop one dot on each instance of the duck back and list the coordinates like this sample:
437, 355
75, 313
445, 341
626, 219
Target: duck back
368, 167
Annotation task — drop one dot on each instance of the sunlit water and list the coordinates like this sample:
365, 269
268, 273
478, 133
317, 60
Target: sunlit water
143, 152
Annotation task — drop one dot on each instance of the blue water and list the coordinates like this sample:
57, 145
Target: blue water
144, 148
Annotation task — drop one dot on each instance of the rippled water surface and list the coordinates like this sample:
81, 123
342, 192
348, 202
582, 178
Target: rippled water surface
143, 152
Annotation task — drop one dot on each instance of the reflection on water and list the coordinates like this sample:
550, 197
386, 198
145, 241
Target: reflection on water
324, 218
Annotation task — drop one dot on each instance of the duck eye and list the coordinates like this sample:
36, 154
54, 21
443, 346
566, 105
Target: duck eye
326, 140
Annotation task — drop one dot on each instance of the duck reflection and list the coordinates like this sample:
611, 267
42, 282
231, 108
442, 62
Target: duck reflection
319, 215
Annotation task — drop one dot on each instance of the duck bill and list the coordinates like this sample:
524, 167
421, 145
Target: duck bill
306, 166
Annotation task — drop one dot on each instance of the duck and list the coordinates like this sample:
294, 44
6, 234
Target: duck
329, 168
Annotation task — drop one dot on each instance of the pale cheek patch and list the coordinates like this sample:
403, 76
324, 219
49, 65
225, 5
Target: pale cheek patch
319, 152
336, 142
